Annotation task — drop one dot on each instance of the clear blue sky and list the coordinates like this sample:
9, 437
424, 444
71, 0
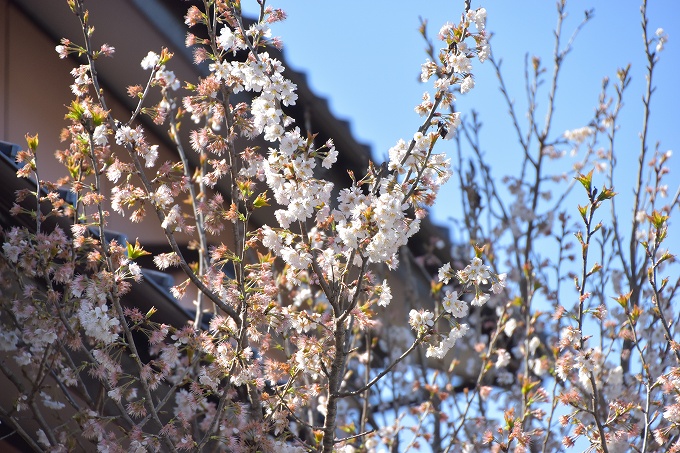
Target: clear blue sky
365, 57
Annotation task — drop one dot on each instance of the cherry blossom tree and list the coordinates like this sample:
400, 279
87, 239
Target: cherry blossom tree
562, 342
590, 308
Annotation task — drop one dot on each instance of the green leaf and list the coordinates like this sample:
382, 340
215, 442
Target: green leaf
666, 256
135, 251
261, 200
151, 312
606, 194
75, 111
597, 227
32, 142
623, 299
583, 210
657, 219
579, 236
596, 268
165, 56
586, 181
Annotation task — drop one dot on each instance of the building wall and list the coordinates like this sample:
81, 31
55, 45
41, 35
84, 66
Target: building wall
34, 86
35, 93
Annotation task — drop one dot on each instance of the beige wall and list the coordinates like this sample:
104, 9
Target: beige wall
34, 91
4, 59
34, 87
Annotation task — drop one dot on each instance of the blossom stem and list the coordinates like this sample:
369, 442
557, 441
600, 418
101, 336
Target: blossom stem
203, 244
115, 298
334, 381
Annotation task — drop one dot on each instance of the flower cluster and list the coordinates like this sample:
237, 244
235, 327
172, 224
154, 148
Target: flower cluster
295, 322
97, 322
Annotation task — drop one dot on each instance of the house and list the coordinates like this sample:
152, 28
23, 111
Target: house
34, 93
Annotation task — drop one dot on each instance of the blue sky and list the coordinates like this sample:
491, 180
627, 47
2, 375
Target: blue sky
365, 57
